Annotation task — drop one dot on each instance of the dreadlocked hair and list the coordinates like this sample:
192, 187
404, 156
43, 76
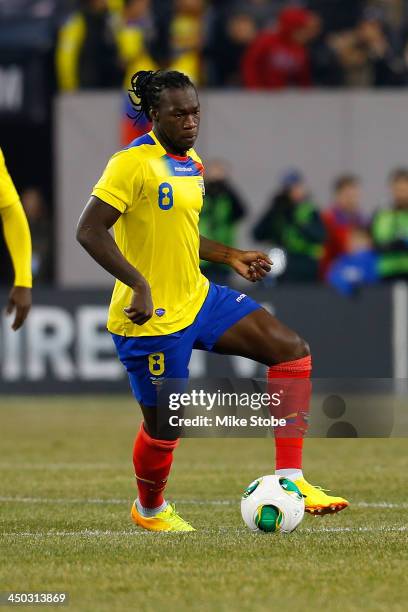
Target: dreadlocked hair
147, 85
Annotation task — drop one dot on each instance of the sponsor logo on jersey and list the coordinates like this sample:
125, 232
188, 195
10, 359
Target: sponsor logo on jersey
241, 297
160, 312
201, 186
182, 169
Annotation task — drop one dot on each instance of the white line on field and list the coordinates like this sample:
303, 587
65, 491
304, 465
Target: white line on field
89, 465
355, 529
63, 500
380, 505
4, 465
188, 502
90, 533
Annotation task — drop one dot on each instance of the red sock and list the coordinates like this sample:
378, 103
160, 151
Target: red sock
152, 460
293, 378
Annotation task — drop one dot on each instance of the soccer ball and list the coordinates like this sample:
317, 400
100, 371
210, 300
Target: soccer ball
271, 504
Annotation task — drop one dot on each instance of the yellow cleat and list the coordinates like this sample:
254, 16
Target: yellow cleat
317, 502
166, 520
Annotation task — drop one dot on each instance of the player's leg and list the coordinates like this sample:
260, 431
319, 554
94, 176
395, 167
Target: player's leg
235, 324
154, 444
261, 337
152, 460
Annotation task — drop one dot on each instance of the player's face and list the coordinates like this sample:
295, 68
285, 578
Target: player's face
178, 117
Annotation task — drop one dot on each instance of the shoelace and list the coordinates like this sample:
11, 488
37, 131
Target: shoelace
176, 518
320, 488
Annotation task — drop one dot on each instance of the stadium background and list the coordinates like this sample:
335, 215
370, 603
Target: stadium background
67, 479
57, 139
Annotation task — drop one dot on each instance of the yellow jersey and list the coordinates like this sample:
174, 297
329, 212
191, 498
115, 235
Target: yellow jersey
8, 193
15, 227
160, 197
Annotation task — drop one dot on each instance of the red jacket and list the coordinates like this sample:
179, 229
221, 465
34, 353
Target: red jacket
339, 226
275, 60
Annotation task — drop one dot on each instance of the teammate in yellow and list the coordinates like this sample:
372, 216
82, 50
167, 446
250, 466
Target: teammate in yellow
18, 240
162, 306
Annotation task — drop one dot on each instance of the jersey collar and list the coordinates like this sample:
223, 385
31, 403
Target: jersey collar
181, 158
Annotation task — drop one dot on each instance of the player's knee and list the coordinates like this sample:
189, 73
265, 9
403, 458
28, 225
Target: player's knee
302, 348
157, 423
294, 348
162, 431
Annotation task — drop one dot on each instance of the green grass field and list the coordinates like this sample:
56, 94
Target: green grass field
66, 488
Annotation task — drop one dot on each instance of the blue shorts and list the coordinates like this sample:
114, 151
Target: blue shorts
148, 359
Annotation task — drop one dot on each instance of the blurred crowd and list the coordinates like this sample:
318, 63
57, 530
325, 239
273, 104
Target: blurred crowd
263, 44
256, 44
339, 245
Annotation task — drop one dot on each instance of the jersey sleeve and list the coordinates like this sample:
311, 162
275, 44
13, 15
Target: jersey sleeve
15, 228
18, 240
121, 183
8, 193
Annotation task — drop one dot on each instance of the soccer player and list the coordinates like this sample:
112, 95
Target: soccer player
162, 306
18, 240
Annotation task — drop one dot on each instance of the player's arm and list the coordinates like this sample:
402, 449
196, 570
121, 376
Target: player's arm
251, 265
18, 241
93, 234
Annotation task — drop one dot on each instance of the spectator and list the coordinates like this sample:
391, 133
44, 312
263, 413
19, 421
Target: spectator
358, 266
337, 15
41, 232
293, 223
386, 50
352, 57
326, 67
227, 49
342, 217
280, 58
394, 12
162, 13
390, 229
133, 40
263, 12
186, 38
87, 55
223, 208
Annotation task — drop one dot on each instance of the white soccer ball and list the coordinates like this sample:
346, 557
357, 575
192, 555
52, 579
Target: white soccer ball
271, 504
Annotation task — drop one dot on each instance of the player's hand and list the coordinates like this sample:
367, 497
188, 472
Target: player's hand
20, 302
140, 309
252, 265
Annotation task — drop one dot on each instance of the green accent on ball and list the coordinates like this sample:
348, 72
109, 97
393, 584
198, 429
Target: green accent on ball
251, 489
268, 518
290, 487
